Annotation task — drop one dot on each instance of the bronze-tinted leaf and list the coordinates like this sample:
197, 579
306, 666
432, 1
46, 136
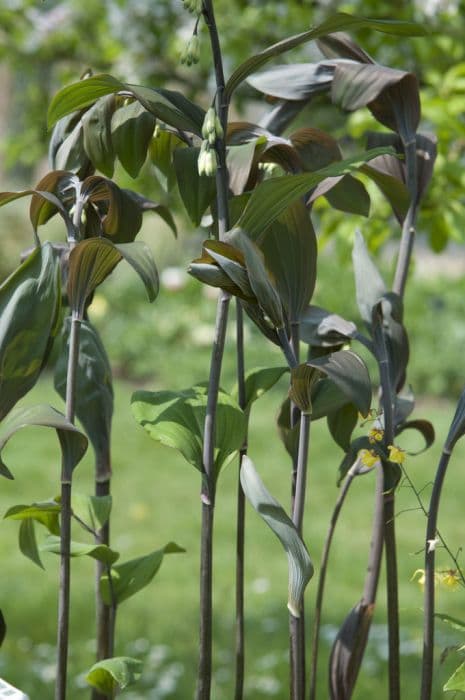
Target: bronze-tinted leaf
347, 651
295, 81
316, 148
341, 45
350, 374
323, 329
369, 284
90, 263
303, 380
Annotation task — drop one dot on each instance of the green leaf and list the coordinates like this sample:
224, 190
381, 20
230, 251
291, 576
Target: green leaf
273, 196
139, 256
90, 263
424, 427
44, 512
321, 328
393, 189
120, 211
350, 374
98, 143
369, 284
101, 552
197, 191
289, 435
161, 150
94, 511
344, 193
258, 381
457, 680
112, 674
454, 622
176, 419
457, 427
73, 442
289, 247
2, 628
295, 81
260, 281
300, 564
80, 95
340, 21
341, 424
28, 542
132, 130
303, 380
131, 576
239, 161
29, 306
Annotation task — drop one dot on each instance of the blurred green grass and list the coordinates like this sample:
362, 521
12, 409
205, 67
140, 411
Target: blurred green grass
156, 499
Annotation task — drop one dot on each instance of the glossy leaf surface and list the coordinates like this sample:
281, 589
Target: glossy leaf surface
116, 673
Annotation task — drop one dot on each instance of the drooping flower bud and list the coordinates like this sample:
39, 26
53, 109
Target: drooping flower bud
211, 128
207, 162
191, 53
194, 6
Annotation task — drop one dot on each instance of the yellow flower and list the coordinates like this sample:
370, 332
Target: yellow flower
396, 454
375, 435
368, 458
449, 579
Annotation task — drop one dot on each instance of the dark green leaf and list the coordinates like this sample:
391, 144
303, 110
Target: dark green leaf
392, 188
120, 211
369, 284
232, 263
316, 148
82, 94
290, 250
131, 576
112, 674
335, 23
29, 306
176, 419
348, 649
289, 435
161, 150
327, 398
73, 442
258, 381
295, 81
197, 191
457, 680
66, 150
341, 424
28, 541
344, 193
299, 562
43, 208
171, 107
348, 371
79, 549
457, 427
98, 142
139, 256
273, 196
45, 512
321, 328
341, 45
90, 263
94, 398
239, 161
132, 130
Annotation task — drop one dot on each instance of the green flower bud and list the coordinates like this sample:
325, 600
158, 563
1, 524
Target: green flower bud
191, 53
207, 163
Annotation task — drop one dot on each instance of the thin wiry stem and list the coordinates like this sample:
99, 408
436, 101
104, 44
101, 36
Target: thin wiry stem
428, 619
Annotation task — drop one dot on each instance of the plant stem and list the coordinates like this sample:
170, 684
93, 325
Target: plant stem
65, 525
240, 528
408, 227
428, 630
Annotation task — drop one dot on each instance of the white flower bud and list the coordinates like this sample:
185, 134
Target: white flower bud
191, 53
207, 163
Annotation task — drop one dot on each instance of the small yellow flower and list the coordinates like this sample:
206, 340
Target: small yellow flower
375, 435
449, 579
368, 458
396, 454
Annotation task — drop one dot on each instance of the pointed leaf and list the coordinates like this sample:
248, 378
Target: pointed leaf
29, 307
290, 249
424, 427
273, 196
90, 263
80, 549
92, 510
341, 424
131, 576
316, 148
335, 23
392, 188
81, 94
327, 398
239, 161
170, 107
341, 45
132, 130
321, 328
454, 622
176, 419
348, 371
120, 211
45, 512
457, 680
344, 193
369, 284
347, 652
41, 208
97, 135
258, 381
296, 81
94, 400
73, 442
112, 674
232, 263
139, 256
28, 542
300, 564
457, 427
303, 380
197, 191
289, 435
161, 150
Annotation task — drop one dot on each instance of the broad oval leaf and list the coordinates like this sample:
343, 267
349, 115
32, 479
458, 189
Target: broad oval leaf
341, 424
82, 94
131, 576
101, 552
369, 284
73, 442
350, 374
303, 380
94, 398
112, 674
29, 308
299, 562
176, 419
197, 191
120, 211
132, 130
337, 22
344, 193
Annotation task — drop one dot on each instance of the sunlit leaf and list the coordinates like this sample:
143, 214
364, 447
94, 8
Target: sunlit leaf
457, 680
348, 371
90, 263
82, 94
112, 674
299, 562
28, 542
45, 512
101, 552
131, 576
